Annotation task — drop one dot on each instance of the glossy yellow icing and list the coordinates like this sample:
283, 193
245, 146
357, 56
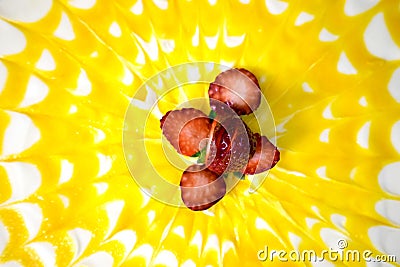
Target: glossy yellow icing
326, 166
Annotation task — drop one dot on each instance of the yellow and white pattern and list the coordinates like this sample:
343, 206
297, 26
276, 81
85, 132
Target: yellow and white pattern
68, 68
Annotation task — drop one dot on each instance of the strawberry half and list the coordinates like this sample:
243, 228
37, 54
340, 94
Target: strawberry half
231, 147
266, 156
237, 88
201, 188
185, 129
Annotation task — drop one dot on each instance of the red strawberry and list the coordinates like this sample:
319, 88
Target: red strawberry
265, 157
201, 188
237, 88
185, 129
231, 147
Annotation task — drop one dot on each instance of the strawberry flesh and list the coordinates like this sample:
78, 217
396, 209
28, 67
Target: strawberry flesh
237, 88
265, 157
231, 147
201, 188
185, 129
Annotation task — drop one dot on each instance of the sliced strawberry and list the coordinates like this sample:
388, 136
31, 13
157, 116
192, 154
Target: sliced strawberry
231, 147
265, 157
185, 129
237, 88
201, 188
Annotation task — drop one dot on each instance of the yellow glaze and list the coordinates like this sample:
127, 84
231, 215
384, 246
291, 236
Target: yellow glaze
325, 171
